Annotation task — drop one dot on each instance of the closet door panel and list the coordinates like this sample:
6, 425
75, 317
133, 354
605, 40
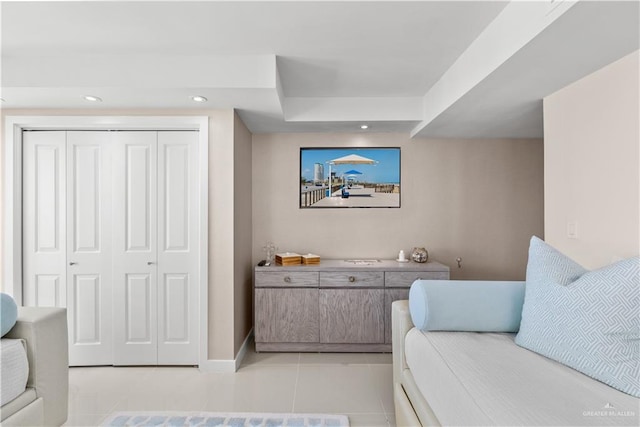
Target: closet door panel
86, 197
48, 291
176, 197
135, 248
89, 270
139, 174
44, 211
138, 324
176, 298
87, 309
178, 339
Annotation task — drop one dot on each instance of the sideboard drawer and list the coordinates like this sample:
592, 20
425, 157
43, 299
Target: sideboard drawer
335, 279
277, 279
404, 279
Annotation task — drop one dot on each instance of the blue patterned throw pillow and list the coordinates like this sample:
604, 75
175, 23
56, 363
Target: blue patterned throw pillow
587, 320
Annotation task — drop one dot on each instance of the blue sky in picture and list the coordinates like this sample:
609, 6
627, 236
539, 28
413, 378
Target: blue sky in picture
385, 171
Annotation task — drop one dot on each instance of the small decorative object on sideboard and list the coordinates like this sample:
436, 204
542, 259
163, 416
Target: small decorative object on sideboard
419, 255
270, 250
288, 258
311, 259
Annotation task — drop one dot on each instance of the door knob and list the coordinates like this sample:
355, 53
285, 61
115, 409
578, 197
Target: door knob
150, 262
72, 263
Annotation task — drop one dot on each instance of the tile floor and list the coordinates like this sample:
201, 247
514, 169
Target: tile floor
358, 385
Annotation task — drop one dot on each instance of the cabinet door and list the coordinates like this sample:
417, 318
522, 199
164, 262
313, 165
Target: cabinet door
352, 316
391, 295
286, 315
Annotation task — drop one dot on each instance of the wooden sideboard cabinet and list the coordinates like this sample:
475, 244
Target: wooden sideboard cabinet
338, 305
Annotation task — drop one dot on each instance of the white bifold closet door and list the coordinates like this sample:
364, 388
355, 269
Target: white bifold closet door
89, 291
178, 248
44, 227
135, 244
67, 236
156, 251
110, 232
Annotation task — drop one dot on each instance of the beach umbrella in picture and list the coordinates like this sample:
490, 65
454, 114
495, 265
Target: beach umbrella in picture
353, 172
351, 159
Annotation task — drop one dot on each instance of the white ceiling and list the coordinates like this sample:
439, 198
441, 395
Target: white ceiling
432, 68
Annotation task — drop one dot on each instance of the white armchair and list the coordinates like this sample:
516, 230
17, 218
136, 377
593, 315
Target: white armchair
45, 402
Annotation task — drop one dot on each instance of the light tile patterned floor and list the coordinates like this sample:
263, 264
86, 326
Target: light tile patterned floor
358, 385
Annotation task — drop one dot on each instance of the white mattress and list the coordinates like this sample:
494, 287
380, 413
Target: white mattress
485, 379
14, 369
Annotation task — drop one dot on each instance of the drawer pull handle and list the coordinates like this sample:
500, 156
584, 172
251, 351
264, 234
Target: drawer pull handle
287, 279
352, 279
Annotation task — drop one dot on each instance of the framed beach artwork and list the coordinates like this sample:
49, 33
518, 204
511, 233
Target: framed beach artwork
350, 177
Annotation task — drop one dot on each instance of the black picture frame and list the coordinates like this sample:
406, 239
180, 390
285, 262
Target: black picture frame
361, 177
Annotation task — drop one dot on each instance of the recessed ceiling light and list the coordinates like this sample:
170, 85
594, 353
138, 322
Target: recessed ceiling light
198, 98
363, 127
92, 98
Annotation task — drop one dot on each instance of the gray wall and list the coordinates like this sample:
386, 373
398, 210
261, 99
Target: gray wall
480, 200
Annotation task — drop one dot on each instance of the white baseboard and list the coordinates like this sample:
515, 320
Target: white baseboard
218, 366
243, 350
227, 365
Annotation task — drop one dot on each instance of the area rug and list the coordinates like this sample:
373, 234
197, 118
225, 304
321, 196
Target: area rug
226, 419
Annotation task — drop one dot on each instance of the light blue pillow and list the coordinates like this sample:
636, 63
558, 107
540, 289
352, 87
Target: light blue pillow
587, 320
8, 313
451, 305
